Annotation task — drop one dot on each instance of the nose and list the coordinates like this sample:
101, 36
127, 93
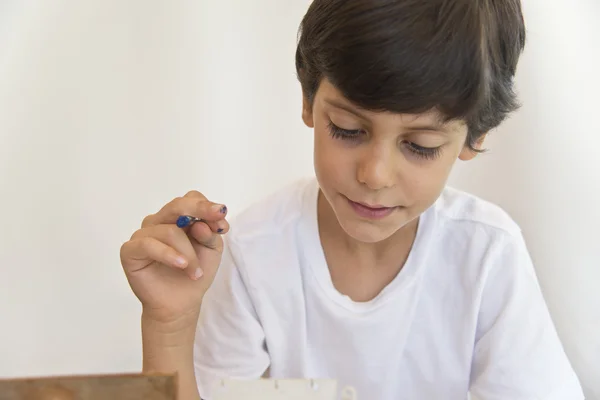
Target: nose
376, 168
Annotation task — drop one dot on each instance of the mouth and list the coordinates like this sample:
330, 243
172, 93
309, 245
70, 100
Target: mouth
371, 211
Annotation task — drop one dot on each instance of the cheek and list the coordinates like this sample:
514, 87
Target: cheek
426, 184
330, 159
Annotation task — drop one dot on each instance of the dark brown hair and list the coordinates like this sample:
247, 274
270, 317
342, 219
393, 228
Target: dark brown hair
411, 56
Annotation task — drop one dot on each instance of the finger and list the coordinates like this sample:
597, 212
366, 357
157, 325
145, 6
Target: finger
177, 239
150, 249
202, 235
194, 194
193, 206
221, 227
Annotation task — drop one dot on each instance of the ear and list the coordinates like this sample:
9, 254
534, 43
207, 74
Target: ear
467, 154
307, 113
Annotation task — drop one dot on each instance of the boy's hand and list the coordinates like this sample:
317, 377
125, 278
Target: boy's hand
169, 268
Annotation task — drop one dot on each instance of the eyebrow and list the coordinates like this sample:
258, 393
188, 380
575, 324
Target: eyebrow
424, 126
345, 107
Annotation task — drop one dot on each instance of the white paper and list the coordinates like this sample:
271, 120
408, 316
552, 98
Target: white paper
285, 389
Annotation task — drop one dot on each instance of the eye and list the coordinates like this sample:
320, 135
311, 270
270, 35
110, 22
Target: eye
428, 153
341, 133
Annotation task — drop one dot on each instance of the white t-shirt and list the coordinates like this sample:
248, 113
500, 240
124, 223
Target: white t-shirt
465, 313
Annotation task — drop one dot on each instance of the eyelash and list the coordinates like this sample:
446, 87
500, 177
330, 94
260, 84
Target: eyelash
428, 153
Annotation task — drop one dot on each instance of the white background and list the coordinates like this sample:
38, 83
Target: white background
109, 109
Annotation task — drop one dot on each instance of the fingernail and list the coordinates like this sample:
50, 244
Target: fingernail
198, 273
180, 261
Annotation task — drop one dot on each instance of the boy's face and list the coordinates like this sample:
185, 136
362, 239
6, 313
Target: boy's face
380, 171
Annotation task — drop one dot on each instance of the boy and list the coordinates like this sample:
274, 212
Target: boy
374, 273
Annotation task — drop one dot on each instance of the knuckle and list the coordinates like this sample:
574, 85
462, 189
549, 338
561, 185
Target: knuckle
147, 220
195, 195
176, 200
123, 250
136, 234
190, 204
177, 205
174, 204
202, 207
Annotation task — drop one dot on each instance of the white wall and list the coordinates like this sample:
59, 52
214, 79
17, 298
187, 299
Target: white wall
108, 109
543, 168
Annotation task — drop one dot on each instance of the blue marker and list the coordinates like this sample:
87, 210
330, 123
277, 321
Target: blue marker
187, 220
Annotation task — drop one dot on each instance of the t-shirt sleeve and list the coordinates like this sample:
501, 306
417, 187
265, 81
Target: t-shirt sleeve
229, 342
518, 354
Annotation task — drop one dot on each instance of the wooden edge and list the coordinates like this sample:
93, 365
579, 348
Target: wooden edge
88, 376
133, 386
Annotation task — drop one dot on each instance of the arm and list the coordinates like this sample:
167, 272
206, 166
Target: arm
518, 353
225, 340
170, 265
165, 352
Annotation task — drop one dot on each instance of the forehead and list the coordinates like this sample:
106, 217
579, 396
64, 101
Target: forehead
330, 97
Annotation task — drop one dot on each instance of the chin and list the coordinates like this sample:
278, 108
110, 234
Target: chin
365, 232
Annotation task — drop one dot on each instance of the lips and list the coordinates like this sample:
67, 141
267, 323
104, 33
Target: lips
370, 211
372, 207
